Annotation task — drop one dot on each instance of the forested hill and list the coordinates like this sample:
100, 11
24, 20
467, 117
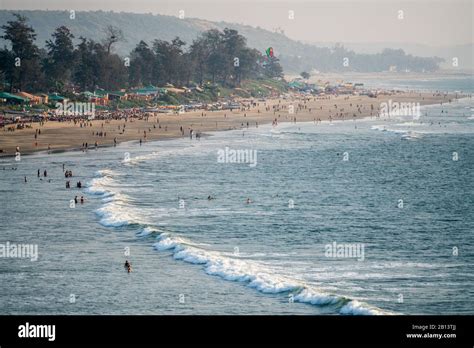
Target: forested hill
294, 56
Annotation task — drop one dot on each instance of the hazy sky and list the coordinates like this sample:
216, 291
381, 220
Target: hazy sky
431, 22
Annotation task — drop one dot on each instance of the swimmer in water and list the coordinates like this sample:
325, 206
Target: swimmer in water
127, 266
249, 201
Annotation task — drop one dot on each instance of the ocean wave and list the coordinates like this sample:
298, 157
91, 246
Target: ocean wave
111, 216
354, 307
116, 212
259, 277
101, 184
197, 148
147, 231
384, 128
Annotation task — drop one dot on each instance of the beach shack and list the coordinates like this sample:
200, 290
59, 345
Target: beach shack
117, 95
146, 93
32, 99
9, 98
56, 98
44, 98
97, 99
101, 97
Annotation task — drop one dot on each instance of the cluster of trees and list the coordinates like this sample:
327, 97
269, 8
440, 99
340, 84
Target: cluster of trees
215, 56
340, 59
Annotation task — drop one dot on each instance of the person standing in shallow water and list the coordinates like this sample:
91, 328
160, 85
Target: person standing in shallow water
127, 266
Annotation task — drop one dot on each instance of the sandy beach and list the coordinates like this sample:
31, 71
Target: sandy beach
60, 136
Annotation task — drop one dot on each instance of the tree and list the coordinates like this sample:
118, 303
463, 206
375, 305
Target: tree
223, 57
170, 63
272, 67
216, 58
61, 57
97, 68
199, 55
85, 74
112, 36
141, 65
233, 46
305, 75
25, 73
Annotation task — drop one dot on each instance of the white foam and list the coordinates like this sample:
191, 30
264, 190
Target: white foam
384, 128
112, 217
147, 231
355, 307
307, 296
257, 276
165, 244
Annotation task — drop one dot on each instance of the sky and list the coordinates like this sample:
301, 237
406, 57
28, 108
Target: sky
428, 22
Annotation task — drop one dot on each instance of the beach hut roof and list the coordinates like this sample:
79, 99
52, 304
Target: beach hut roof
119, 93
26, 95
55, 97
146, 90
100, 92
8, 96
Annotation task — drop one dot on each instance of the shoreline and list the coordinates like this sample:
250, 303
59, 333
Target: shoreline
65, 136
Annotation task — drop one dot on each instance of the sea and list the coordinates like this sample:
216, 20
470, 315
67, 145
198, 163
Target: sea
366, 217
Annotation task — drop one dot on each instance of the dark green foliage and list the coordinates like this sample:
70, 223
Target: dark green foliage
216, 56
